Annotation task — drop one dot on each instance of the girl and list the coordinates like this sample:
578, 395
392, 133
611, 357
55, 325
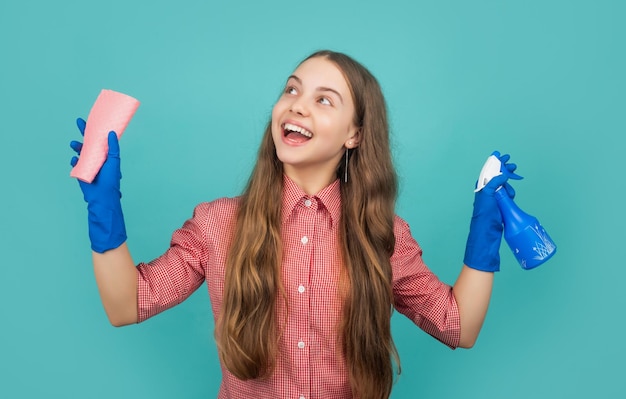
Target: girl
305, 267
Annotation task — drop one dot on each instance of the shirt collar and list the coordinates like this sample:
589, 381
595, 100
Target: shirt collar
329, 198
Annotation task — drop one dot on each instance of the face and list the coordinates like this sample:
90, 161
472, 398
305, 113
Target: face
313, 121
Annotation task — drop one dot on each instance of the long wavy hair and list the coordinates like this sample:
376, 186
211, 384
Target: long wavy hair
246, 331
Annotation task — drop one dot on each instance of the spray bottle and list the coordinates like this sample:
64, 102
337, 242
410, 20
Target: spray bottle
530, 243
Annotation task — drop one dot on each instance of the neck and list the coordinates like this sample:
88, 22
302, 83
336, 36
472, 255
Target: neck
310, 180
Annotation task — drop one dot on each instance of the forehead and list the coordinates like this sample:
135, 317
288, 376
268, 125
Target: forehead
321, 72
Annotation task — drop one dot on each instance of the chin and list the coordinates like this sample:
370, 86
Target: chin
285, 159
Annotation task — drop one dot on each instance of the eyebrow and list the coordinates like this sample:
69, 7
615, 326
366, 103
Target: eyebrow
321, 88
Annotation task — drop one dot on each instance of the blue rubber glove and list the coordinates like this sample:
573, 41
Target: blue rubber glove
482, 251
106, 221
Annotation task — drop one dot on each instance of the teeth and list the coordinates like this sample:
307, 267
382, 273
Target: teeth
294, 128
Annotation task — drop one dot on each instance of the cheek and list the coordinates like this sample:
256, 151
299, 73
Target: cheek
279, 108
340, 127
276, 115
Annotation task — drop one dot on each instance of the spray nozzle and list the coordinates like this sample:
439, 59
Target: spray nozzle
495, 166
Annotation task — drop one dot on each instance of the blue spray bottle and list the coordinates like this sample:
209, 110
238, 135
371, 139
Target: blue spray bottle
530, 243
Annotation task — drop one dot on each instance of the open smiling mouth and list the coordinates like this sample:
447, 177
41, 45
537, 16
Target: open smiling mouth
296, 133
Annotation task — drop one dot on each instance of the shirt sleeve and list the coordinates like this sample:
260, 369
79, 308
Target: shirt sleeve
419, 294
171, 278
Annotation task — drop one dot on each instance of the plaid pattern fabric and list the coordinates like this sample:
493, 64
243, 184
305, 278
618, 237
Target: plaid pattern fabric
310, 364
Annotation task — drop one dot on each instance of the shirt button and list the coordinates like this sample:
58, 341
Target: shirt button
304, 240
301, 345
302, 397
301, 289
307, 202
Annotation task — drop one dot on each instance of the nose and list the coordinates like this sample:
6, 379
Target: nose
299, 107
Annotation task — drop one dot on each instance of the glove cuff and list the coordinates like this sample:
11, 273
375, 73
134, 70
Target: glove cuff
107, 229
483, 257
482, 251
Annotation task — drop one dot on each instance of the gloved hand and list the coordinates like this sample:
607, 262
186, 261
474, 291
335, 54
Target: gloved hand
106, 221
483, 242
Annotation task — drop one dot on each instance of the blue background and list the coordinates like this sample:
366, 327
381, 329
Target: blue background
542, 80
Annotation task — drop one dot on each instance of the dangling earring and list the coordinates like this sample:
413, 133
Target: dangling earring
345, 178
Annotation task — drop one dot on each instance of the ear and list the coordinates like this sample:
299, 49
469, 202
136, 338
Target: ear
354, 139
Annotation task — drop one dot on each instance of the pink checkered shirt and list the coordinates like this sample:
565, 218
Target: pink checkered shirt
310, 364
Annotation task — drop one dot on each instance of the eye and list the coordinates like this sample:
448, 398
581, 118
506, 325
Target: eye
324, 101
291, 90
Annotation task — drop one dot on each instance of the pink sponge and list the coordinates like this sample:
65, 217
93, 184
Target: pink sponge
111, 112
